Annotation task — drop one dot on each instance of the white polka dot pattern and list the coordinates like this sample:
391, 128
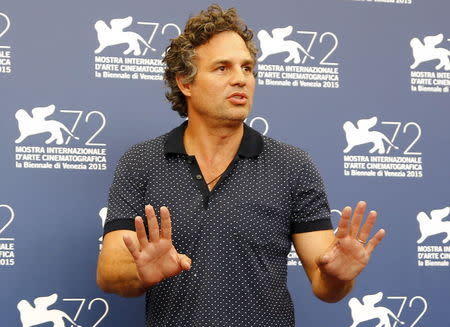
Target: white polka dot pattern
238, 244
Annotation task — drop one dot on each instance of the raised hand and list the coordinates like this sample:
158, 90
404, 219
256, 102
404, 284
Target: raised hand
156, 259
351, 249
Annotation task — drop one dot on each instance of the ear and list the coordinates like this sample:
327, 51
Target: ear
185, 88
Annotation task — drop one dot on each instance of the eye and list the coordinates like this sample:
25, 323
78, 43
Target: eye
248, 69
221, 68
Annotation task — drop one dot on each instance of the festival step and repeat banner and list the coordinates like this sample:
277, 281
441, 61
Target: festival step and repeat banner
362, 85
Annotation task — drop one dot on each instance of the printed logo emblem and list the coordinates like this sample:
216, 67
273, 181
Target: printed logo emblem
367, 310
436, 231
116, 35
277, 44
41, 314
402, 162
258, 123
147, 61
7, 245
427, 51
36, 124
285, 55
4, 223
102, 214
425, 55
5, 50
88, 155
361, 135
434, 225
382, 315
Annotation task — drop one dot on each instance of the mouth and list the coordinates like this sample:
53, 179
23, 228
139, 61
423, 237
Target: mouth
238, 98
238, 95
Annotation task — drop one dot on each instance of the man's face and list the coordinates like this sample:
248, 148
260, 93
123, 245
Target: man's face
224, 85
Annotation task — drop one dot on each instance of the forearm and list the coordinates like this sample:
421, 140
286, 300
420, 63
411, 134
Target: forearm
119, 276
328, 288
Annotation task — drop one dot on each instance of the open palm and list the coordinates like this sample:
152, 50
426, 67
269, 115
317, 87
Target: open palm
350, 251
156, 258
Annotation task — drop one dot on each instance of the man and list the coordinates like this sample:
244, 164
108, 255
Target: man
236, 201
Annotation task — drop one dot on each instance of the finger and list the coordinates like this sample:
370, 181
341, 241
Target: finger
166, 224
185, 261
376, 239
131, 246
343, 228
357, 218
140, 232
364, 233
153, 227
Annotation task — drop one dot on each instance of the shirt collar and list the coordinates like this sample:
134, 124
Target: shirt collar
251, 144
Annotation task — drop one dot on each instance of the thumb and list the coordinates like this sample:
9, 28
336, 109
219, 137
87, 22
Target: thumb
323, 259
185, 261
329, 254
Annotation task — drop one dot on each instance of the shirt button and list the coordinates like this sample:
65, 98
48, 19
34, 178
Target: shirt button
199, 177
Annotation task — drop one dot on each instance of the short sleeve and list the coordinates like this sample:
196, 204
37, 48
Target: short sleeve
127, 193
311, 211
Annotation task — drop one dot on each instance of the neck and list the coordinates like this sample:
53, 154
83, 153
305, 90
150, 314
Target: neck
213, 142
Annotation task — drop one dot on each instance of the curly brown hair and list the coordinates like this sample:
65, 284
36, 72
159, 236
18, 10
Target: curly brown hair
180, 54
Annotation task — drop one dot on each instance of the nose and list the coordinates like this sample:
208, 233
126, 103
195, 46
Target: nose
238, 77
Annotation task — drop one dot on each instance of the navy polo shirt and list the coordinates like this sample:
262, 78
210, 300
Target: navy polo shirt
238, 235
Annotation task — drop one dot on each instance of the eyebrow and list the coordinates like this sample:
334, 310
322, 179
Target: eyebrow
227, 62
